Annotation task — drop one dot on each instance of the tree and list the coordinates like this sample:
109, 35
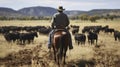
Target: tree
84, 17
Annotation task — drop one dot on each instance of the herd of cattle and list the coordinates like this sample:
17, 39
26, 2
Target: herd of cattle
23, 34
28, 33
92, 33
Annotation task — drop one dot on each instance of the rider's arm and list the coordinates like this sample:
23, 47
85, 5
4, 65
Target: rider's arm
52, 22
67, 20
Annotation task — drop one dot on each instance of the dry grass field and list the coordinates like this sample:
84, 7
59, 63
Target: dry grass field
36, 54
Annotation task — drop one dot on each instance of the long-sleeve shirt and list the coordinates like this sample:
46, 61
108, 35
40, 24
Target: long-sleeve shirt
60, 20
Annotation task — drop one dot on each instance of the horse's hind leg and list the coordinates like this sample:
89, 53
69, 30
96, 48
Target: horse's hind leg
91, 42
58, 59
64, 61
54, 54
55, 57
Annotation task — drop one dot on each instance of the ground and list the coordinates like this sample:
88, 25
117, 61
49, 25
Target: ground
105, 54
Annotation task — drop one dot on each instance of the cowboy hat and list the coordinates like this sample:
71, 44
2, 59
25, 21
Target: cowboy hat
60, 8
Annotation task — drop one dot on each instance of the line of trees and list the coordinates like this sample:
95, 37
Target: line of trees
25, 18
93, 18
83, 17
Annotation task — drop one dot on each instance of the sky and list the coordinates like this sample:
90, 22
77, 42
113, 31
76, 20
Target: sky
67, 4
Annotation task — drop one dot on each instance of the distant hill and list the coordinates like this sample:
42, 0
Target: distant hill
48, 11
8, 12
38, 11
74, 12
103, 11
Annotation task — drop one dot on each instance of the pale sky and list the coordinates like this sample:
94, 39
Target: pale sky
67, 4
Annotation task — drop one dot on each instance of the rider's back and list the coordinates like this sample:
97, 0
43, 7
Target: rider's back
60, 20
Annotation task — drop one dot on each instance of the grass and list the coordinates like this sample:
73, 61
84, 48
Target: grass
79, 52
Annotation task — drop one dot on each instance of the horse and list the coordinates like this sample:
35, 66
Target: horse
60, 45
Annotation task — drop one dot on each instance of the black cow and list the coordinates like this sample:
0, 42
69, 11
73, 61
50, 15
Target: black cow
74, 26
13, 36
44, 30
105, 27
91, 37
27, 37
117, 35
109, 30
86, 29
95, 29
5, 30
80, 38
75, 30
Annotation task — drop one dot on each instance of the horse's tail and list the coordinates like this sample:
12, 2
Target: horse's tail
61, 45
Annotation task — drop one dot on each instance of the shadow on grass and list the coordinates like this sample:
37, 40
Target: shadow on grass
81, 63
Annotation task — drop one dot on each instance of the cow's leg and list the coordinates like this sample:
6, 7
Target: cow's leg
115, 38
14, 40
78, 42
20, 41
88, 41
84, 42
96, 41
119, 38
28, 41
81, 42
23, 41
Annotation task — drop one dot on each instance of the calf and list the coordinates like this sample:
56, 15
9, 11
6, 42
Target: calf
80, 38
91, 37
117, 35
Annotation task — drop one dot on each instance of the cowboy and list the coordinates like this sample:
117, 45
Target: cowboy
59, 21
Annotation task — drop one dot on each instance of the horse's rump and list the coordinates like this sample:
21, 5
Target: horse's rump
60, 38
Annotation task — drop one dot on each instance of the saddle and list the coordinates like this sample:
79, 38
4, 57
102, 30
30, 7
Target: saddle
59, 32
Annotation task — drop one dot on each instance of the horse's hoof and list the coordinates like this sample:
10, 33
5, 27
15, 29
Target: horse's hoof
58, 63
64, 62
55, 60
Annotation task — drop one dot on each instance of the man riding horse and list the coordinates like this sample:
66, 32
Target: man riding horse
59, 21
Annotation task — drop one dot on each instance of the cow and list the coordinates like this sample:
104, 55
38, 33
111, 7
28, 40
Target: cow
117, 35
91, 37
5, 30
80, 38
95, 29
12, 36
75, 30
109, 30
105, 27
86, 29
27, 37
74, 26
44, 30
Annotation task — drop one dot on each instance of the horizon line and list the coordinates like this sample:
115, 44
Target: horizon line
65, 10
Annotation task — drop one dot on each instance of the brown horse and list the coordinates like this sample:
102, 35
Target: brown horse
60, 46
